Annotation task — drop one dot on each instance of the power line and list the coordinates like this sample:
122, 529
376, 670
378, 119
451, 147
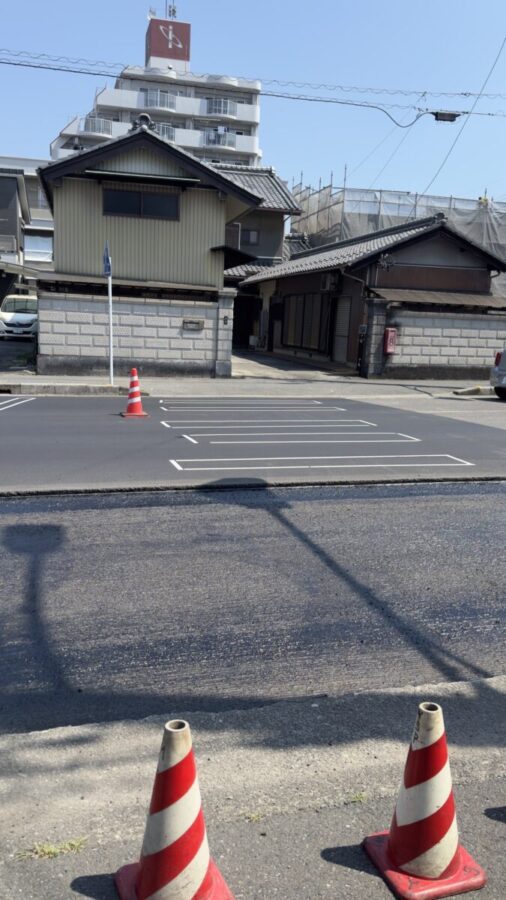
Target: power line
278, 94
464, 123
307, 98
295, 84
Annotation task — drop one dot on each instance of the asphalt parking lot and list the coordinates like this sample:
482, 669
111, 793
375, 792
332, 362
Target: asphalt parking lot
55, 443
290, 436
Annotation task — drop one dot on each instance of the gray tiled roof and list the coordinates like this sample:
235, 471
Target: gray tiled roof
244, 270
442, 298
264, 183
347, 252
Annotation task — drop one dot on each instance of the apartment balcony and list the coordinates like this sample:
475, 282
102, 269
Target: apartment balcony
96, 125
219, 139
191, 107
97, 129
157, 100
167, 131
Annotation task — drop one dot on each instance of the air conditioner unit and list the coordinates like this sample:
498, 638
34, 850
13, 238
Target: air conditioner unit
329, 281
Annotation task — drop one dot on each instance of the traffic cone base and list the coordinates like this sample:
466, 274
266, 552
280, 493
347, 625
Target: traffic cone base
214, 886
466, 875
125, 879
139, 415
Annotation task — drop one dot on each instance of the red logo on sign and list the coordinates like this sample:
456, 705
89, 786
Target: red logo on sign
170, 40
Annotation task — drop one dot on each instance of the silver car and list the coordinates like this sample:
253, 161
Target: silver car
18, 317
498, 375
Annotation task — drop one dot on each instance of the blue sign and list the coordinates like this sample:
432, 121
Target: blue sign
107, 260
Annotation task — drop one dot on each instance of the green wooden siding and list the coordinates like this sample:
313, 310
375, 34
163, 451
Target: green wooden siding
141, 249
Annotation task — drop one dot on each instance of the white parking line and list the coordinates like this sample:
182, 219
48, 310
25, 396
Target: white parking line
188, 438
166, 424
8, 404
350, 423
237, 423
242, 409
398, 439
246, 401
422, 460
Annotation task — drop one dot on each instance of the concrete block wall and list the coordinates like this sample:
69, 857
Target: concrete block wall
148, 334
445, 341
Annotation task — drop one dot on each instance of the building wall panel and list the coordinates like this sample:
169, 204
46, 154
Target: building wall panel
144, 161
178, 252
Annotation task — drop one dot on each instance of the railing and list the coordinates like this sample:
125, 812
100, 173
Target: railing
95, 125
216, 106
159, 100
166, 131
8, 243
38, 255
219, 139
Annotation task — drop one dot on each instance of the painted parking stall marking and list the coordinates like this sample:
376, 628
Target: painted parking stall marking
345, 462
14, 401
282, 436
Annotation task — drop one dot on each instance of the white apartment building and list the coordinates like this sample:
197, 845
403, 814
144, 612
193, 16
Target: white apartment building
214, 117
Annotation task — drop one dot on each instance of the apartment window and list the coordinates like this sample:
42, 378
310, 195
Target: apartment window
141, 204
250, 237
306, 319
36, 196
38, 248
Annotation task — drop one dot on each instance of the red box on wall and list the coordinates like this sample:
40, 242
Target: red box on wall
390, 340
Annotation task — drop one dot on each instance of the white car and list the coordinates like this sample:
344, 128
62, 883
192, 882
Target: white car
18, 317
498, 375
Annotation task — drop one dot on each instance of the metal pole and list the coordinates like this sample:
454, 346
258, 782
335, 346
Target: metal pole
111, 357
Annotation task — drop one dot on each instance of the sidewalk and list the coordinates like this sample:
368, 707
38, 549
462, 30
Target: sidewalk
252, 376
289, 791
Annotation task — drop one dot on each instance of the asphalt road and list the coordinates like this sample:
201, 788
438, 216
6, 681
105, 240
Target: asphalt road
126, 605
55, 443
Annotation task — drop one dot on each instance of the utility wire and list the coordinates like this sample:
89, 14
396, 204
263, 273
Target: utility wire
376, 147
466, 120
278, 94
357, 103
295, 84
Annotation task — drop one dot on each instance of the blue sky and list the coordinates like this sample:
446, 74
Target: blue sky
398, 44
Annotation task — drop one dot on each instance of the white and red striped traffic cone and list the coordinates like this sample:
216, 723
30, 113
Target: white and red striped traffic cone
175, 860
134, 403
421, 858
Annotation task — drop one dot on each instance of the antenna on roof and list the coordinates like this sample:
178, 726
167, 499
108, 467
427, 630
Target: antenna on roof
170, 11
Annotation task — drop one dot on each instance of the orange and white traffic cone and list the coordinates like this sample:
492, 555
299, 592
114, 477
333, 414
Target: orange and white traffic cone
175, 860
134, 403
421, 858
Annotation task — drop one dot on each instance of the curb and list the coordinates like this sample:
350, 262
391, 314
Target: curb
26, 387
474, 391
18, 493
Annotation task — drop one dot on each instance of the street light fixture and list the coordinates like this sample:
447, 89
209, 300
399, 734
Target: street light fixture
445, 116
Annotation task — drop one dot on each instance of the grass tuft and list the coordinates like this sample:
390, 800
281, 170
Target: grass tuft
359, 797
51, 851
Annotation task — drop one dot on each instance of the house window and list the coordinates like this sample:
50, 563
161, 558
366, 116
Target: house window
250, 236
38, 248
306, 319
141, 204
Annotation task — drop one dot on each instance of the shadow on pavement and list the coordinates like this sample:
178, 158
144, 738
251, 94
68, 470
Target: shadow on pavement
496, 813
41, 696
98, 887
351, 856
